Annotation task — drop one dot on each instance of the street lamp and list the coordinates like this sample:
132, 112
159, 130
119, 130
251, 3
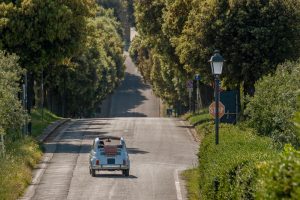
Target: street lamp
216, 62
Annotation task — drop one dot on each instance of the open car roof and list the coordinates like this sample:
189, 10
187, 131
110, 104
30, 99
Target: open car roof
109, 137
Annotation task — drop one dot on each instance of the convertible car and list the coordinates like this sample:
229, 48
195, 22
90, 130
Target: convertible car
109, 153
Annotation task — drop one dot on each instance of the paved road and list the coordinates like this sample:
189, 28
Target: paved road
133, 98
159, 148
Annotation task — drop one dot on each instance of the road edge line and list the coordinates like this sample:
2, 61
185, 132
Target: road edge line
177, 185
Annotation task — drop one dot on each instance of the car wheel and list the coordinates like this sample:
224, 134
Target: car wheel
126, 172
93, 173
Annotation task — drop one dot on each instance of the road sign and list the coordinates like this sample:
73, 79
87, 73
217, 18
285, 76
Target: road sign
189, 84
197, 77
212, 109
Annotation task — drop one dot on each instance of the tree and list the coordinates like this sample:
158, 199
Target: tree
12, 114
253, 36
123, 12
43, 33
95, 72
154, 54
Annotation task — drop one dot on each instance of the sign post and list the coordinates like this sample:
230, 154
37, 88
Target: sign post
189, 85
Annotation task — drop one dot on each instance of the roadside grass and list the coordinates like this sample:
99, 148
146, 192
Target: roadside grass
187, 116
191, 176
21, 156
200, 118
38, 125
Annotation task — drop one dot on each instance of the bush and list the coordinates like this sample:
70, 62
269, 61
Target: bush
271, 110
12, 114
232, 163
280, 179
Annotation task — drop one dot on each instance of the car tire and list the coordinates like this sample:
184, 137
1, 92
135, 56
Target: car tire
126, 172
93, 172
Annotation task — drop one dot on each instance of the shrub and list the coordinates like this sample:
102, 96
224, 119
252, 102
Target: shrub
271, 110
280, 179
11, 112
232, 163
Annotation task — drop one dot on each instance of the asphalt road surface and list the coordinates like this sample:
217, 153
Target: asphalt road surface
159, 149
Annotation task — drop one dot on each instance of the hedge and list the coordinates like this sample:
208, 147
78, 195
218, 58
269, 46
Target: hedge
232, 165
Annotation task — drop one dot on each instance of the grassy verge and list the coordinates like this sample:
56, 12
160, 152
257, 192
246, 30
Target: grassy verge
38, 125
21, 156
191, 176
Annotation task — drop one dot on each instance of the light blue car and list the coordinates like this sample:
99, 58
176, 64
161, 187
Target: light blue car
109, 153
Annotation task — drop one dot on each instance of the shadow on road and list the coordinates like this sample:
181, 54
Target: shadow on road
127, 97
66, 148
136, 151
115, 176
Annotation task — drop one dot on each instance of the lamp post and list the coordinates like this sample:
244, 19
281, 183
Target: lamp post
216, 63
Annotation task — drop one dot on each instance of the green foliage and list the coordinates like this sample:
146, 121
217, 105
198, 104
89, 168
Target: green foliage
192, 176
154, 55
187, 115
200, 118
44, 32
39, 123
232, 162
96, 71
21, 157
123, 11
297, 117
178, 37
280, 179
12, 114
272, 108
253, 36
50, 35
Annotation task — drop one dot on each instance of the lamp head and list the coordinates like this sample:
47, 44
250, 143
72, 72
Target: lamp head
216, 62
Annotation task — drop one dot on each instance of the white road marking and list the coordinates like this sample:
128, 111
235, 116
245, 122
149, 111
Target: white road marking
177, 185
